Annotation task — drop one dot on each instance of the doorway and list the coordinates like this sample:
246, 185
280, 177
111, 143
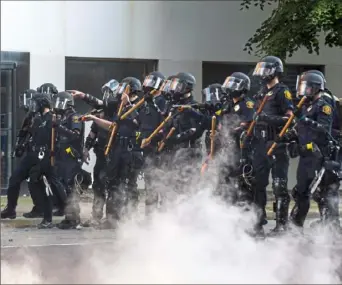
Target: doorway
7, 104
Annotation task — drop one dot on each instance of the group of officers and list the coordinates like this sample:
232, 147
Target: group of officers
156, 127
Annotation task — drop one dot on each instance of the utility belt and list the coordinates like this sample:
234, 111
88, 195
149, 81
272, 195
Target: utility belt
266, 132
40, 150
126, 143
69, 151
313, 149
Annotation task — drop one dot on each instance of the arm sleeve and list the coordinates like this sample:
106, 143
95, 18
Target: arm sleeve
284, 99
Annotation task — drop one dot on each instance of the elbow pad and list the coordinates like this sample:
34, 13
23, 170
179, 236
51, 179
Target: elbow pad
69, 133
93, 101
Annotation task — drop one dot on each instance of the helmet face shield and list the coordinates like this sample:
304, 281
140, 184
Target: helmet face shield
177, 86
123, 88
32, 105
111, 85
165, 87
152, 82
61, 103
23, 100
233, 84
304, 89
264, 69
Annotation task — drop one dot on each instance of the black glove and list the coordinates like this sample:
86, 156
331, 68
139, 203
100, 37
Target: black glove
148, 97
290, 135
18, 151
298, 113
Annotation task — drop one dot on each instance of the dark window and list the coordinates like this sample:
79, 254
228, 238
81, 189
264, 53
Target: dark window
216, 72
89, 74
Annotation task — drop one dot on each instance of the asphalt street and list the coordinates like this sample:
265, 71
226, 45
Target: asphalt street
64, 257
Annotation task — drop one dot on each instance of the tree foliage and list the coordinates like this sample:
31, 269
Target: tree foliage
294, 24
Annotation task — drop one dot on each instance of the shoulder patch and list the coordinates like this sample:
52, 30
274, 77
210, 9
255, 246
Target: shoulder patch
326, 109
249, 104
269, 93
76, 119
236, 108
287, 94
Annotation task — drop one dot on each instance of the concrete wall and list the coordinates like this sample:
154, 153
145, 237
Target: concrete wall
180, 34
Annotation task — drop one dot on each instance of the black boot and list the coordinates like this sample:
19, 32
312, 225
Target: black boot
8, 213
45, 225
35, 213
281, 208
58, 213
69, 224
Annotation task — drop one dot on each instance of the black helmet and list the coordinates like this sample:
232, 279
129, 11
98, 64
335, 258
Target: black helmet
212, 95
39, 102
268, 68
153, 81
309, 84
24, 97
63, 101
182, 84
110, 88
237, 84
47, 88
131, 85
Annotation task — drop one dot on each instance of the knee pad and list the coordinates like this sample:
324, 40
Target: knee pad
279, 186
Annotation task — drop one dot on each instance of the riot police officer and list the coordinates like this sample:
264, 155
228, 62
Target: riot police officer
328, 196
189, 126
21, 147
124, 160
149, 117
237, 86
36, 164
277, 109
69, 155
313, 129
97, 139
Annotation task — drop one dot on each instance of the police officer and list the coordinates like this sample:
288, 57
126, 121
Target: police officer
21, 147
69, 155
97, 139
189, 126
149, 117
314, 123
36, 164
237, 86
125, 159
277, 109
328, 198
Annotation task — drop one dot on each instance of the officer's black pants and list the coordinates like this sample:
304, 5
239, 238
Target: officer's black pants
99, 185
151, 178
24, 170
306, 172
121, 180
68, 169
262, 165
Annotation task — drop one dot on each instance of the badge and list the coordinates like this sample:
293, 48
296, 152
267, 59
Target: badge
269, 93
288, 95
76, 119
236, 108
309, 109
249, 104
327, 109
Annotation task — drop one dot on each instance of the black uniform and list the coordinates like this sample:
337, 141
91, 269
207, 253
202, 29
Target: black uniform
124, 162
269, 124
149, 118
35, 164
69, 161
315, 122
